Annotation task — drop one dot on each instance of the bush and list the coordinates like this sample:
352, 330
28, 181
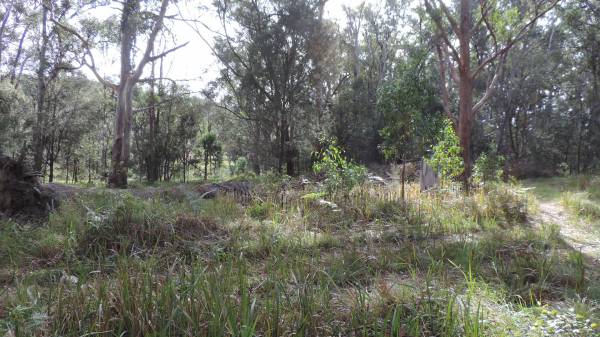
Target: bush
239, 167
340, 172
488, 167
509, 202
131, 224
260, 210
446, 154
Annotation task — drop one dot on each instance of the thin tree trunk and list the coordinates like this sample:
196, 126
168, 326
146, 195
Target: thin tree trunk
51, 169
89, 169
38, 142
75, 170
443, 86
3, 26
152, 162
67, 169
465, 89
13, 71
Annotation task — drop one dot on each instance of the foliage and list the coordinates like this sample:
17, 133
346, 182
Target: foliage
260, 210
240, 166
212, 150
303, 270
446, 153
412, 113
13, 107
340, 172
488, 167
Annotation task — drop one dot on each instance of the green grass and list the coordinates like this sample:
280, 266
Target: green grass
552, 189
580, 195
443, 264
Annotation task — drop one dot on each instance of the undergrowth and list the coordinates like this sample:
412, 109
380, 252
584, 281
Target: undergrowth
295, 261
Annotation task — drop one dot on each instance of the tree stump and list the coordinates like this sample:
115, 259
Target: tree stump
21, 193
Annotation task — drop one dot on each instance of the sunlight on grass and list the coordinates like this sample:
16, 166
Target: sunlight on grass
437, 263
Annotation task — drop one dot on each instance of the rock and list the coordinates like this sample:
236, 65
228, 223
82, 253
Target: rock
21, 193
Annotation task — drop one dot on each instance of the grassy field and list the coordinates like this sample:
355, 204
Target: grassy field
163, 262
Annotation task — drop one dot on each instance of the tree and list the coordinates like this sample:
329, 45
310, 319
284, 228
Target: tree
51, 51
370, 45
211, 149
446, 154
411, 110
132, 20
267, 70
503, 25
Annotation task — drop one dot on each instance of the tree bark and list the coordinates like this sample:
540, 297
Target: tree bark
465, 89
38, 141
15, 64
120, 148
2, 26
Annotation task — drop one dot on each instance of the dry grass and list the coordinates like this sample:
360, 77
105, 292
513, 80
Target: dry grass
439, 264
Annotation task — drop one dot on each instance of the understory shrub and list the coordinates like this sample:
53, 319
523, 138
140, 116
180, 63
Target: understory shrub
446, 157
488, 167
339, 171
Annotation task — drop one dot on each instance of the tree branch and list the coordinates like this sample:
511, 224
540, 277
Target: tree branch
511, 42
437, 20
163, 54
150, 43
446, 11
490, 88
86, 45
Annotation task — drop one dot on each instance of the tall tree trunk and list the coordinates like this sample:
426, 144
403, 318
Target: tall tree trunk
38, 141
89, 167
205, 164
152, 161
120, 148
67, 168
15, 62
51, 169
442, 61
75, 170
465, 89
465, 123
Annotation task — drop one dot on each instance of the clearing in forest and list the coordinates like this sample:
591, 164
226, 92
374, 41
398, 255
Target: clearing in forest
293, 261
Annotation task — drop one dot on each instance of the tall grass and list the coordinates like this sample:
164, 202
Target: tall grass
373, 265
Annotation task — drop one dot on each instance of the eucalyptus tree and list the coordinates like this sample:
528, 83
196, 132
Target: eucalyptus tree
268, 50
31, 42
502, 25
134, 20
371, 41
